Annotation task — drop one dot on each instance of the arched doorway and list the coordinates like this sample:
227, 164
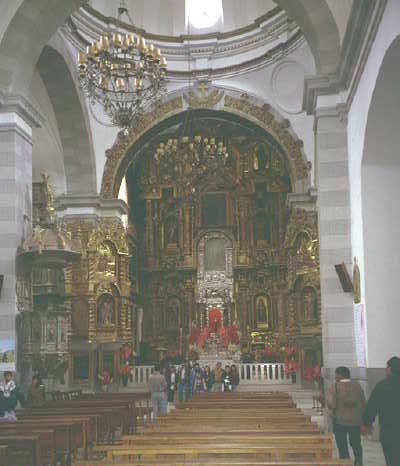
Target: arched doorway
381, 206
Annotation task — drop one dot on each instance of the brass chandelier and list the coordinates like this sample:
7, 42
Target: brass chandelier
123, 74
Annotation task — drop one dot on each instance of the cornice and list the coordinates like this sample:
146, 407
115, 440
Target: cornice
361, 30
109, 20
19, 104
272, 41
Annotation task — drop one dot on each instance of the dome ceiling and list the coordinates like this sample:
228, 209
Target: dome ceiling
168, 17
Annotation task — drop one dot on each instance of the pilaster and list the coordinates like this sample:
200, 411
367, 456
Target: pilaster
17, 118
334, 218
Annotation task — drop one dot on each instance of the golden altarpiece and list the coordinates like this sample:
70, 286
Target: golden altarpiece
74, 295
210, 212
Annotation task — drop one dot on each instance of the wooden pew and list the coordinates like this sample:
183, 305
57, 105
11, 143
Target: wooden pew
225, 463
47, 438
28, 444
77, 429
215, 451
4, 455
65, 430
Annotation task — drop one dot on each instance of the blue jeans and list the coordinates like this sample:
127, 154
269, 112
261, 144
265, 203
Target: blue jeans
159, 401
218, 387
184, 391
353, 432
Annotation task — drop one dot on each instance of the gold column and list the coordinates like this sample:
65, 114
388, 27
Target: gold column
187, 234
150, 232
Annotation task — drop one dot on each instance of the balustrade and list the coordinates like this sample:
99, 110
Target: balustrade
252, 373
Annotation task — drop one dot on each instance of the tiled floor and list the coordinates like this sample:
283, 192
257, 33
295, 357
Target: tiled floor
373, 455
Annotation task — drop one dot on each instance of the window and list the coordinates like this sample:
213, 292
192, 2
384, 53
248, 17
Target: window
204, 14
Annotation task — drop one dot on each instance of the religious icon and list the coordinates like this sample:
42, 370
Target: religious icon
356, 282
262, 310
51, 332
309, 304
171, 231
173, 311
106, 260
106, 309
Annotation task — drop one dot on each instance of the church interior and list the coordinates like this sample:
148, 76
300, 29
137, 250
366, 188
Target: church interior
210, 181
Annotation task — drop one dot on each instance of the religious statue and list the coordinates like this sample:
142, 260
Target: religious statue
309, 304
261, 310
105, 310
356, 282
171, 231
106, 260
173, 313
51, 332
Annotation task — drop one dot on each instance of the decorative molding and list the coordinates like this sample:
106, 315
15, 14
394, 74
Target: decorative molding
361, 30
16, 103
242, 105
299, 167
109, 187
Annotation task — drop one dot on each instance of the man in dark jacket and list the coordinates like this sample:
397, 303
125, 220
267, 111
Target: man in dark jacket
385, 402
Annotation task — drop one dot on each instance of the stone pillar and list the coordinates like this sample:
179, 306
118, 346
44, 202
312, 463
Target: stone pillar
17, 118
334, 220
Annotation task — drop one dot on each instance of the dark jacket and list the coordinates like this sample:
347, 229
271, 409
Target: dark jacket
385, 402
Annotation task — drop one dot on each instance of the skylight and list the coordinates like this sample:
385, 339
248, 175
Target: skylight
204, 14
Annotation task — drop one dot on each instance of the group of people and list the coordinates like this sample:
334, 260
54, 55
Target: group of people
187, 380
353, 416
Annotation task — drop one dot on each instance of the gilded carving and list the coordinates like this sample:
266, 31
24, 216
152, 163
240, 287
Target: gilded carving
299, 168
124, 141
356, 282
203, 96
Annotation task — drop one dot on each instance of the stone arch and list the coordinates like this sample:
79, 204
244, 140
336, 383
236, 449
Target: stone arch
248, 110
320, 29
380, 173
78, 154
31, 26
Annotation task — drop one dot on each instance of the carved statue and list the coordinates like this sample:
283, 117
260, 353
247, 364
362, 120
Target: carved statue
171, 231
173, 311
309, 304
356, 282
106, 309
261, 310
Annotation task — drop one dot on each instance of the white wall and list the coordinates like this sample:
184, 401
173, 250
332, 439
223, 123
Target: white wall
357, 121
47, 152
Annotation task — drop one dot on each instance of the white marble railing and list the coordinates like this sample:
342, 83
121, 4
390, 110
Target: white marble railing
254, 373
141, 374
262, 373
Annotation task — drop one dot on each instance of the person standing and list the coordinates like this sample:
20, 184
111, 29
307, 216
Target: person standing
158, 391
218, 377
199, 384
227, 379
346, 402
208, 379
184, 382
35, 393
235, 377
384, 402
173, 376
